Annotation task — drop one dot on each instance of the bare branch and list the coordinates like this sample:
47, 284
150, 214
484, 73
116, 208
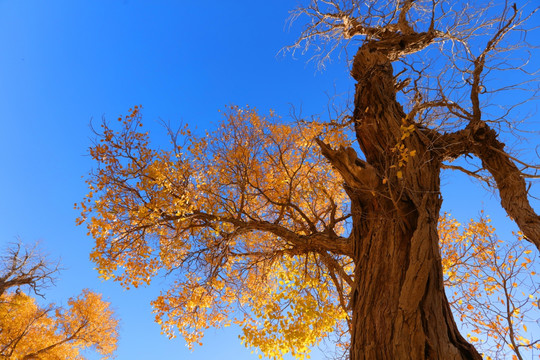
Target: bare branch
23, 266
474, 174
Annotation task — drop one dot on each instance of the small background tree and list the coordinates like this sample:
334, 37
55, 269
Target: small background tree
30, 331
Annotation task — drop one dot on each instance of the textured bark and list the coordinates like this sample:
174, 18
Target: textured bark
399, 307
510, 182
481, 140
400, 310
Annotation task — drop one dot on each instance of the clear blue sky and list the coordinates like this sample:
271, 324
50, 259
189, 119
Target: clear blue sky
63, 63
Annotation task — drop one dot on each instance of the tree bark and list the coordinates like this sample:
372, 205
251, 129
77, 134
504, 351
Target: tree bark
399, 307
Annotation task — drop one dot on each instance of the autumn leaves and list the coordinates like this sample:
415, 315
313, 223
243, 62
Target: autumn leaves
29, 330
246, 222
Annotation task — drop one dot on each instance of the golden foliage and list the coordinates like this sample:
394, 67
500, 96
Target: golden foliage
233, 214
486, 280
29, 331
249, 219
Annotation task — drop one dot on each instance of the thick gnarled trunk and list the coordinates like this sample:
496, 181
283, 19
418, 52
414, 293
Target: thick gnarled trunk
399, 307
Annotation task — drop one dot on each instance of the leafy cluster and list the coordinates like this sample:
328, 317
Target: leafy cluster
248, 220
493, 291
31, 331
234, 215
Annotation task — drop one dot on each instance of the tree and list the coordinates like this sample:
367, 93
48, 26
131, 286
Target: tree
29, 331
25, 267
487, 279
289, 224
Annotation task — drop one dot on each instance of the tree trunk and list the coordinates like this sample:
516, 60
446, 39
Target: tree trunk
399, 307
400, 310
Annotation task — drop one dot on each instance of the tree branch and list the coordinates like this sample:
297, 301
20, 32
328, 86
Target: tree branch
510, 184
356, 173
479, 139
314, 242
25, 267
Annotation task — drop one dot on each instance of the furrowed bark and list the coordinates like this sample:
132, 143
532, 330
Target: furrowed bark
399, 308
510, 183
481, 140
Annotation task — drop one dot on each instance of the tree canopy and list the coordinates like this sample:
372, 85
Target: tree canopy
31, 331
285, 230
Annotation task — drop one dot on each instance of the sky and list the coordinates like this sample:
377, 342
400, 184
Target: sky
64, 64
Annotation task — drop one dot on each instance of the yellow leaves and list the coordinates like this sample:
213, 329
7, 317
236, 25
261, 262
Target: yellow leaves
290, 310
486, 276
406, 130
404, 155
203, 210
105, 274
54, 332
296, 315
140, 202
